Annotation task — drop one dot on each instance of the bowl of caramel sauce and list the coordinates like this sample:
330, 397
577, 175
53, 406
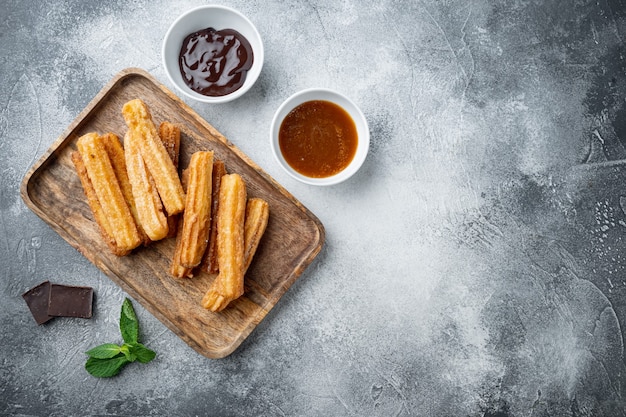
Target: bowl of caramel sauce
212, 54
319, 137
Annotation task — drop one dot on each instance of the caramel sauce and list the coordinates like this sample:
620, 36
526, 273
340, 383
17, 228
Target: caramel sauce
318, 139
215, 63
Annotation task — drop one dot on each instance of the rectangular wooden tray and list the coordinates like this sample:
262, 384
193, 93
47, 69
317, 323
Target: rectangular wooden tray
293, 238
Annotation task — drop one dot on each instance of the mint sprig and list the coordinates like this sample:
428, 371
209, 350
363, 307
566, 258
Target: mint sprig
129, 325
108, 359
105, 368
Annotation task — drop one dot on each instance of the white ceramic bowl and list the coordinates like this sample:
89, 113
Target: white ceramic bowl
342, 101
217, 17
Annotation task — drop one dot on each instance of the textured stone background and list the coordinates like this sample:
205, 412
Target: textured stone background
475, 266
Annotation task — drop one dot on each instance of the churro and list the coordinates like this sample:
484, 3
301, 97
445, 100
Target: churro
170, 137
94, 205
176, 269
115, 151
197, 214
257, 215
228, 285
155, 156
147, 201
209, 260
122, 226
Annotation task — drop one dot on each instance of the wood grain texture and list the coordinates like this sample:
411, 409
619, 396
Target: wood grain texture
293, 238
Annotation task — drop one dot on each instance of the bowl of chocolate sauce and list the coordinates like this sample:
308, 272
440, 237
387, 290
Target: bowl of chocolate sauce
319, 137
212, 54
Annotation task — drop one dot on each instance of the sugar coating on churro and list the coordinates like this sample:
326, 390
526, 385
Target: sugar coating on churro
209, 261
100, 171
193, 233
176, 269
228, 285
147, 201
257, 216
156, 158
170, 137
197, 214
115, 151
94, 205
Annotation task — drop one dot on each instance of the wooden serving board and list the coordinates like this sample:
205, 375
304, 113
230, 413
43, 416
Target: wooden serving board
293, 238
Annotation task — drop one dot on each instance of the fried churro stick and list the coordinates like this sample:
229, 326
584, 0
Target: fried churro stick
197, 214
176, 269
209, 261
230, 240
147, 201
100, 171
159, 164
115, 151
94, 204
170, 137
257, 215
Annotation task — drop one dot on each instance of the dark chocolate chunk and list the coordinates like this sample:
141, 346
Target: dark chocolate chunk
37, 299
69, 301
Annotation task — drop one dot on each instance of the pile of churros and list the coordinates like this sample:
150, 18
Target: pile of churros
137, 196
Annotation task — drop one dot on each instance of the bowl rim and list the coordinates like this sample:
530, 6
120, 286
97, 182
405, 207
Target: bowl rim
339, 99
259, 57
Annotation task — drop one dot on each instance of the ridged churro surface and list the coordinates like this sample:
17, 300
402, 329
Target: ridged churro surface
94, 205
156, 158
170, 137
257, 216
197, 214
102, 176
147, 202
115, 151
230, 244
209, 261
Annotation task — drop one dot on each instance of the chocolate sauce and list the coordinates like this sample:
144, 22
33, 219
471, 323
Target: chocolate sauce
215, 63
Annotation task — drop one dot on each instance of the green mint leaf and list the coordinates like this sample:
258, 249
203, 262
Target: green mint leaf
129, 326
107, 360
105, 368
128, 352
105, 351
142, 353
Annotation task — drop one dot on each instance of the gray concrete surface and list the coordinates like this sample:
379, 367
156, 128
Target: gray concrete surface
475, 266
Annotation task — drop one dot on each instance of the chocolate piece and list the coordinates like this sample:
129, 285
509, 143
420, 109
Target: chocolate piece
69, 301
37, 300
